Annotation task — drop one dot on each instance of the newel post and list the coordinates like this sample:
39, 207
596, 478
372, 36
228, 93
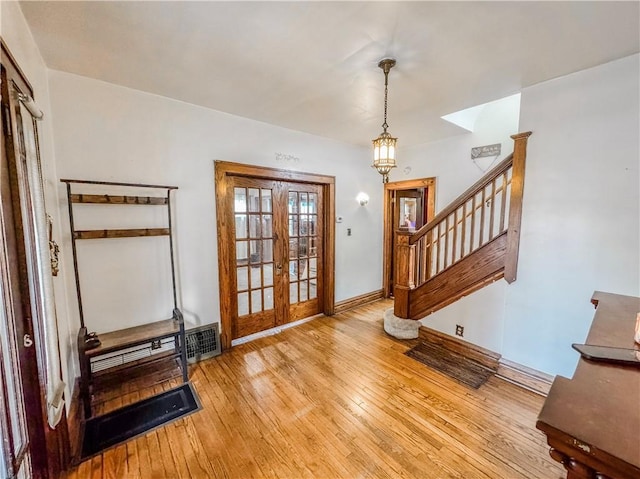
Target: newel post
515, 205
404, 268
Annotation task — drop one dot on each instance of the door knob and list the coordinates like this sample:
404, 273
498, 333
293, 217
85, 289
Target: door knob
278, 269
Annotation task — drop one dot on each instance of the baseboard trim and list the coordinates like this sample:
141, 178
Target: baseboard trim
525, 377
487, 358
522, 376
347, 304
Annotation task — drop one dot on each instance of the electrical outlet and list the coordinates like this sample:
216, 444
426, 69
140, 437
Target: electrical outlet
156, 344
459, 330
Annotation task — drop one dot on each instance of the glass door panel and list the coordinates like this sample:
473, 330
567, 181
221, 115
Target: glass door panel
303, 201
254, 243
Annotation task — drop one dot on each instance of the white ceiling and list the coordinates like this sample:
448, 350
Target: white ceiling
312, 66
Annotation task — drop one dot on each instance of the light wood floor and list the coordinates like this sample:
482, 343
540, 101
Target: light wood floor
335, 398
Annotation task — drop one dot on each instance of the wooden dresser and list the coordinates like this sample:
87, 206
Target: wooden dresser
592, 421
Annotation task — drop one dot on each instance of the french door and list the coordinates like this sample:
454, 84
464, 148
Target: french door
277, 241
272, 246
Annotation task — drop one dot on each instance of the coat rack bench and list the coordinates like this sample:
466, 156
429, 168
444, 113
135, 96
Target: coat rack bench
146, 343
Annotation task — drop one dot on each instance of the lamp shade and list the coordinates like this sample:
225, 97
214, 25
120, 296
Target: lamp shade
384, 154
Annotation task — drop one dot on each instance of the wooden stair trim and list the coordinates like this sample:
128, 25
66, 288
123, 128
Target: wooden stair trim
479, 268
515, 205
428, 278
486, 357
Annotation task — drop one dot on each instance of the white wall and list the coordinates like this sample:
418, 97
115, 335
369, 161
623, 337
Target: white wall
107, 132
18, 39
580, 220
581, 212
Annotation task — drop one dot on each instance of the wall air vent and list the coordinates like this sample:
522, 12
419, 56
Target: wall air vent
203, 343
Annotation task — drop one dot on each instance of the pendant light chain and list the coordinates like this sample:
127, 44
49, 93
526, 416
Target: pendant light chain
386, 90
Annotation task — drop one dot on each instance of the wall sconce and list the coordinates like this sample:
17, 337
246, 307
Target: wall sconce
362, 198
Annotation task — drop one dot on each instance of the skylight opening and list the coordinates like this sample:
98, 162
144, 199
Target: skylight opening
467, 118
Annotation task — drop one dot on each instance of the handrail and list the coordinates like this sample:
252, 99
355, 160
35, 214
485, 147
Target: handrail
483, 182
487, 212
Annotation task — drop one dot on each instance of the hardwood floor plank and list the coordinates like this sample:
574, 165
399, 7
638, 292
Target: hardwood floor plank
133, 464
156, 464
115, 462
189, 452
333, 398
96, 468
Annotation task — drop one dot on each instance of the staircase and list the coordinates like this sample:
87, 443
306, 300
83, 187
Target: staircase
471, 243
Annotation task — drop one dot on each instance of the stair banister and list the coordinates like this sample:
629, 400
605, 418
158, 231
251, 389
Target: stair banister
500, 168
421, 255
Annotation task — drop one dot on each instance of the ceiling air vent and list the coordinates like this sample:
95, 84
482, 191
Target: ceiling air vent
203, 343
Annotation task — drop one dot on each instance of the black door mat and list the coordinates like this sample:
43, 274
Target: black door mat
462, 369
103, 432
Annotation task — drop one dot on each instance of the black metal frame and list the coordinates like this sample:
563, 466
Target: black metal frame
180, 337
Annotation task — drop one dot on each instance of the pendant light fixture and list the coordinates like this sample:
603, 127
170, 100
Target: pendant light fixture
384, 147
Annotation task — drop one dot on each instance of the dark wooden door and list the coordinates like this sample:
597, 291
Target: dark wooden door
277, 249
15, 339
408, 214
408, 206
30, 448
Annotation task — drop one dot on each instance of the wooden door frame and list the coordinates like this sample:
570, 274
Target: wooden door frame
224, 170
389, 228
49, 448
